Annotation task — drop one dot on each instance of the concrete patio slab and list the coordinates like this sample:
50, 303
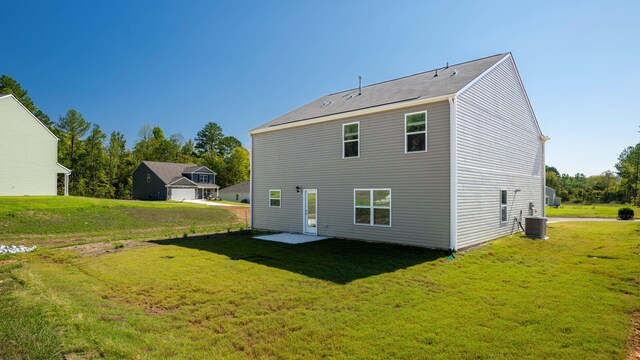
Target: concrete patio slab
288, 238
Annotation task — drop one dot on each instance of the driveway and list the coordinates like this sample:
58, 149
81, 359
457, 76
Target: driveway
206, 202
572, 219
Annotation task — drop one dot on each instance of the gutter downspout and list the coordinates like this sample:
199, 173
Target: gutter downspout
544, 139
453, 175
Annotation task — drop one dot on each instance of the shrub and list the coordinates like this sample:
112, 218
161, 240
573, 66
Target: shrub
625, 213
118, 245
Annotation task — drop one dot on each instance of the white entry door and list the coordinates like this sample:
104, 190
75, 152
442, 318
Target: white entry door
311, 211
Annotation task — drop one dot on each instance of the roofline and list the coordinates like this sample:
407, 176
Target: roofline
196, 170
419, 73
64, 167
171, 183
30, 113
349, 114
508, 56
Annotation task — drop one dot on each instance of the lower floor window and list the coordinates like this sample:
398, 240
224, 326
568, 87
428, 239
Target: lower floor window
372, 207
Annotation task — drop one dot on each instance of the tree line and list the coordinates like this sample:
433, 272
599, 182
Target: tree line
620, 186
101, 164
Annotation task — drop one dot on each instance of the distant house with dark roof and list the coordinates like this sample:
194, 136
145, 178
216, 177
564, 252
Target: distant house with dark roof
448, 159
154, 180
238, 192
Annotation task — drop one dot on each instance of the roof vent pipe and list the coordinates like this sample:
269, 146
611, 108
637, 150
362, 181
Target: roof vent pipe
447, 65
359, 85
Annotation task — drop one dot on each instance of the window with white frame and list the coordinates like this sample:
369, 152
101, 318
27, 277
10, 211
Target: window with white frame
203, 178
148, 178
351, 140
415, 132
372, 207
503, 206
275, 198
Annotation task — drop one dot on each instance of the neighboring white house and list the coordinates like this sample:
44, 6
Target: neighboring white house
448, 158
239, 192
550, 197
28, 153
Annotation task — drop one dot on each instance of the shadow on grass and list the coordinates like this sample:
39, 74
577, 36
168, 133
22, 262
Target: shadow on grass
336, 260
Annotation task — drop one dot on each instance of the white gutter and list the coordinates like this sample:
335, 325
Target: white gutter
453, 175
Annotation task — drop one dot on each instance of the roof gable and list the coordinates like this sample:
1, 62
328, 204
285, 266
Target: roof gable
10, 96
242, 187
181, 181
198, 169
166, 171
422, 86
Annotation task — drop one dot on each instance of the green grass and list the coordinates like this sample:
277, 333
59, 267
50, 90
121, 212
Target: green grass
235, 203
571, 296
588, 211
51, 221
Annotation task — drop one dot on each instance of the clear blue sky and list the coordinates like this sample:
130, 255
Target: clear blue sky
181, 64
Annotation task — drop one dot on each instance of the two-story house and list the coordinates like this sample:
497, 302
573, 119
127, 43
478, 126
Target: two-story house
28, 153
154, 180
447, 158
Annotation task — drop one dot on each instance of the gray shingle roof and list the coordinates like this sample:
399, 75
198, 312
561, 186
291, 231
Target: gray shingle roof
242, 187
167, 171
182, 181
418, 86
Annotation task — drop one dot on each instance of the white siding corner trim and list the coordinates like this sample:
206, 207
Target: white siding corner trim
453, 136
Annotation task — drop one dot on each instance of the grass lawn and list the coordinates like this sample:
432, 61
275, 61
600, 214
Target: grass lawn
588, 211
571, 296
49, 221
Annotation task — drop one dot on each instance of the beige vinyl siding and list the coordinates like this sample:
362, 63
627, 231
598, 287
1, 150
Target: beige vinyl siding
311, 157
28, 153
498, 148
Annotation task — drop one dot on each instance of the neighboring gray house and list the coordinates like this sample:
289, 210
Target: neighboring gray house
28, 153
550, 197
238, 192
443, 159
154, 180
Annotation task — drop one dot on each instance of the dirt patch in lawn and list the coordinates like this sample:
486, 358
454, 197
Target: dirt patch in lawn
103, 248
7, 262
241, 212
634, 343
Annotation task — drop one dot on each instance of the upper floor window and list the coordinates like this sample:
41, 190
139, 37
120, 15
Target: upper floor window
203, 178
275, 198
148, 178
351, 140
503, 205
415, 132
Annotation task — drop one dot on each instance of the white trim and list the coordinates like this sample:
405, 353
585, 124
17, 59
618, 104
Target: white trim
513, 62
544, 140
304, 208
251, 185
344, 141
280, 198
350, 114
196, 170
67, 171
372, 207
484, 73
175, 181
504, 205
453, 175
508, 56
406, 134
30, 113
